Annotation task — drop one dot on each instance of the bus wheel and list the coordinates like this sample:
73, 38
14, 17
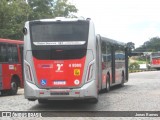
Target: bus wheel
14, 87
93, 100
122, 82
42, 101
108, 84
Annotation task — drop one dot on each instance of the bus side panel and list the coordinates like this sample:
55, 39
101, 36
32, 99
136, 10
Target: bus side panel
6, 76
8, 70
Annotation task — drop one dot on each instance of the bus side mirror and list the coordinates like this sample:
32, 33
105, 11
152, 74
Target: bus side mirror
24, 31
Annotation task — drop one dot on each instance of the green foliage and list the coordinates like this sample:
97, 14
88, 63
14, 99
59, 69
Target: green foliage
14, 13
131, 45
153, 45
40, 9
49, 9
63, 8
134, 66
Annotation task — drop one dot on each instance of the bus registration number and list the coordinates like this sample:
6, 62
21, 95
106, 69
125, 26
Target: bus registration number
59, 82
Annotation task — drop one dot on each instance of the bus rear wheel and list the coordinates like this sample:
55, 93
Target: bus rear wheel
107, 83
14, 87
93, 100
42, 101
122, 81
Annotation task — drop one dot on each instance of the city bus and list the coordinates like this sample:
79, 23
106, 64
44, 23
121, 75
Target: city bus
155, 60
11, 55
65, 60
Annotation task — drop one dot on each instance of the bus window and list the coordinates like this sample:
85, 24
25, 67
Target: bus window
3, 53
12, 53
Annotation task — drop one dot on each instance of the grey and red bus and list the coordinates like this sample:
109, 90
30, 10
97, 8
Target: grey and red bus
11, 55
65, 60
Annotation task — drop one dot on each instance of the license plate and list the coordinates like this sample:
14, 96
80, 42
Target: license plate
59, 93
59, 82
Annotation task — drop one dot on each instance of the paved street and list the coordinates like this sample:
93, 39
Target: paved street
141, 93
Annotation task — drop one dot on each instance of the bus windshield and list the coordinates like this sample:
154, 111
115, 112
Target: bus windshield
70, 38
59, 33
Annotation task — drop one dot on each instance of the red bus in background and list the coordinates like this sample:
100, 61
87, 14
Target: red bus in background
155, 60
11, 66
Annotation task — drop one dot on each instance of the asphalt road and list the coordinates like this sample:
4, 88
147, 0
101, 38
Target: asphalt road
141, 93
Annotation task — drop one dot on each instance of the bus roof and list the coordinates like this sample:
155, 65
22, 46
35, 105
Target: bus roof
113, 41
63, 19
11, 41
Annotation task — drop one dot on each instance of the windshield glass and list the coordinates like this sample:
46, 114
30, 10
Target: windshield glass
59, 40
59, 33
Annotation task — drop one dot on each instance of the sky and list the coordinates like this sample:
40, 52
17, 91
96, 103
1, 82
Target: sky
123, 20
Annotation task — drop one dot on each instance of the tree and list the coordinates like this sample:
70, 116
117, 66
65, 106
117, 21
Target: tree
153, 45
64, 9
13, 14
131, 46
49, 9
40, 9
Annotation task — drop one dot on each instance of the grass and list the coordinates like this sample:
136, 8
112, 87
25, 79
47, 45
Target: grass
141, 62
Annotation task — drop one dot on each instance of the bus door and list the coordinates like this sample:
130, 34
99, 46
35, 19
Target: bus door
113, 64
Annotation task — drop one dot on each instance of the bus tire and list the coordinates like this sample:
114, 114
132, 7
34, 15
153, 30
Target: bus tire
93, 100
108, 83
122, 82
42, 101
14, 87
